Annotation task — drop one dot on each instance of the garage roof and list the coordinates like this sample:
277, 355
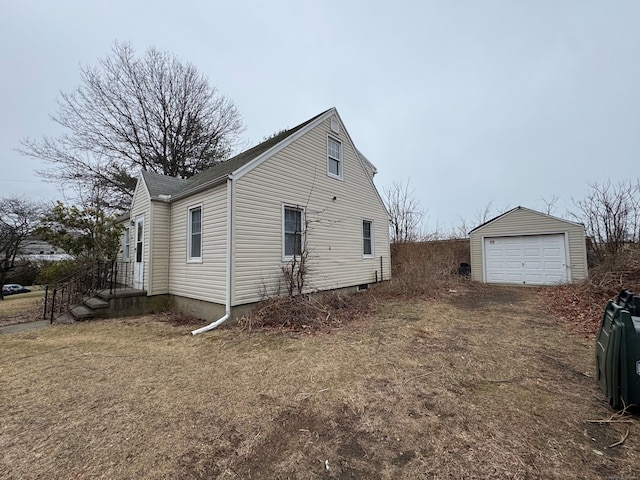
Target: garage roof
521, 208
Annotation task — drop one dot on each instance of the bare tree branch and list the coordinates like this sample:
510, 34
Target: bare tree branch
131, 113
611, 216
18, 219
405, 213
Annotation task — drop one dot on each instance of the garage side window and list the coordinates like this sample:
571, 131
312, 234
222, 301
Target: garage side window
195, 234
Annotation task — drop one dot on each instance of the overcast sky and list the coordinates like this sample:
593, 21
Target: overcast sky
475, 102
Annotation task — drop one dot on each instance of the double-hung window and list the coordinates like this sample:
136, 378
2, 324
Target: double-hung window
367, 238
293, 227
194, 247
127, 244
334, 158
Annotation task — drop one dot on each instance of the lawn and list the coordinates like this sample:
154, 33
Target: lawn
21, 307
479, 384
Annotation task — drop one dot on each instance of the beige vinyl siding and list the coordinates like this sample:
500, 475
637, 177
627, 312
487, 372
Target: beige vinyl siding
523, 221
204, 280
159, 248
141, 207
297, 176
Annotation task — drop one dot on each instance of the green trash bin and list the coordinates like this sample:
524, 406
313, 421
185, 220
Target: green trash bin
618, 351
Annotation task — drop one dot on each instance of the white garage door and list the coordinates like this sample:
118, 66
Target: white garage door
531, 259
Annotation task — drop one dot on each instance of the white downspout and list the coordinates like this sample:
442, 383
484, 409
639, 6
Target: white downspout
227, 314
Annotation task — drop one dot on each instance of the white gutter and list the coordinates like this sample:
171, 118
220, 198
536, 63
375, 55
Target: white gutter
227, 314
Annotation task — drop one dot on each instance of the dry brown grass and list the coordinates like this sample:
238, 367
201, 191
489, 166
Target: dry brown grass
20, 308
480, 384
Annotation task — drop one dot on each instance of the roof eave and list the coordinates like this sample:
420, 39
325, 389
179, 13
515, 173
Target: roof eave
192, 191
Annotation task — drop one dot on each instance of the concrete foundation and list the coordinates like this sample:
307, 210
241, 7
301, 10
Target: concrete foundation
208, 311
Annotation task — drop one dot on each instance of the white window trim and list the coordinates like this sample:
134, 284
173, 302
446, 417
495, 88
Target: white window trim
191, 259
373, 248
340, 160
302, 224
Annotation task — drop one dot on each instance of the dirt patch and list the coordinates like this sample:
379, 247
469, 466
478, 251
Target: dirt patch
470, 296
330, 446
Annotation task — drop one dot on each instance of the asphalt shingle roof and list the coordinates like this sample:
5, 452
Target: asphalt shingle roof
159, 184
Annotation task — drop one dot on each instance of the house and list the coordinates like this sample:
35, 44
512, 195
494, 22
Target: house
526, 247
36, 249
218, 242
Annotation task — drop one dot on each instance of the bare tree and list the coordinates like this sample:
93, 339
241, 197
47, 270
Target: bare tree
611, 215
18, 219
405, 213
482, 215
131, 113
550, 205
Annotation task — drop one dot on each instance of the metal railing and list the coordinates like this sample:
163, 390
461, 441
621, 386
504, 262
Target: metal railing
73, 290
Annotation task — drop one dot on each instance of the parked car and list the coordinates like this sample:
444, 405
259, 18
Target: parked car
13, 288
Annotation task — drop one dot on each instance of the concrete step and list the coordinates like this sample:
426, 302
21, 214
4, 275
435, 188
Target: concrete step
96, 303
82, 312
66, 318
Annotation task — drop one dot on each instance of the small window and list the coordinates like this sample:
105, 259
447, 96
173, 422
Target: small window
367, 238
127, 243
195, 234
334, 158
293, 225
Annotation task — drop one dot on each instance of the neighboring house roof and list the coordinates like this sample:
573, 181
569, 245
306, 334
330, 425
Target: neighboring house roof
521, 208
160, 185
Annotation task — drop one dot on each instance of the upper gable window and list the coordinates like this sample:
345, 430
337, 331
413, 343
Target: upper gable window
194, 247
334, 158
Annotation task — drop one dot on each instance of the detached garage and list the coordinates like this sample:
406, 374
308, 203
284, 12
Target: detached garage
525, 247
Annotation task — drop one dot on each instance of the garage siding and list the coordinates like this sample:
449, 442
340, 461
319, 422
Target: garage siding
523, 221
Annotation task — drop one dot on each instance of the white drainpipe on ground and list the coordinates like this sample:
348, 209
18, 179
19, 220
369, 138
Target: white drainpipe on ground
227, 314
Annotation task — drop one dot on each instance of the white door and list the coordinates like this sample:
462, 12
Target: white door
530, 259
138, 263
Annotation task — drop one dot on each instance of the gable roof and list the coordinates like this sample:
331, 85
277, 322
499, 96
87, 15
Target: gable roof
525, 209
159, 184
165, 188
